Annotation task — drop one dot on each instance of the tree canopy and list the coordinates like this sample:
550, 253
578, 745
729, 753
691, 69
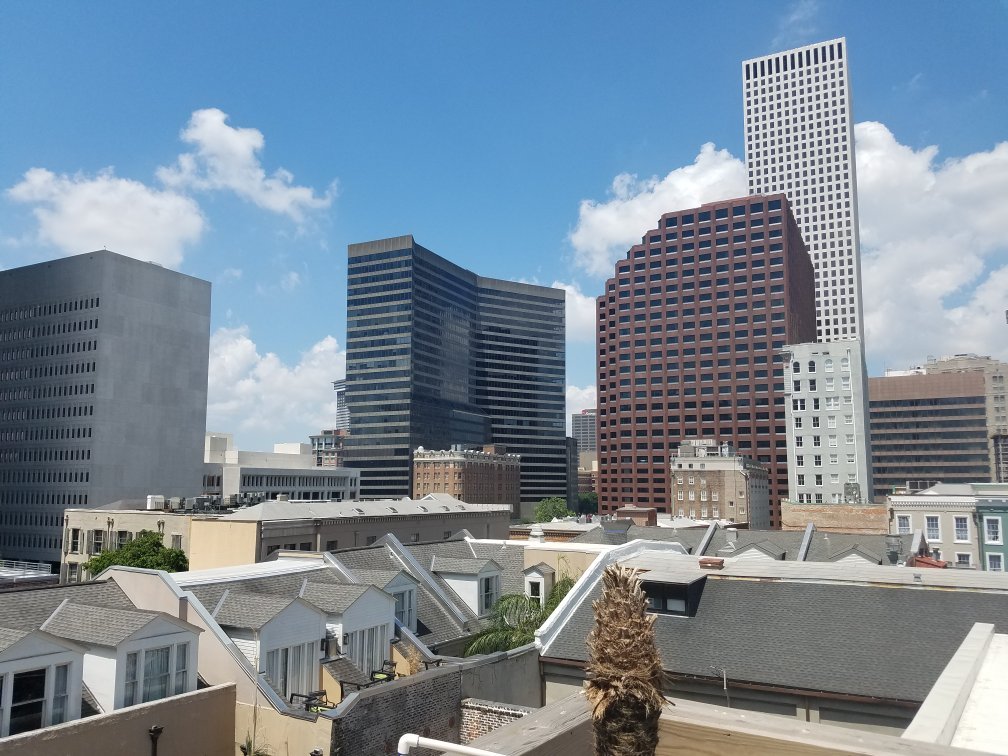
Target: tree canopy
145, 550
515, 618
554, 506
588, 503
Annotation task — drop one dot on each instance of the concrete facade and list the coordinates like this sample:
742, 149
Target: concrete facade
486, 476
103, 390
928, 428
829, 446
713, 481
946, 514
805, 93
290, 470
584, 429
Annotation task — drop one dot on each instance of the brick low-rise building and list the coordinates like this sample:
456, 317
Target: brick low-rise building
477, 476
714, 481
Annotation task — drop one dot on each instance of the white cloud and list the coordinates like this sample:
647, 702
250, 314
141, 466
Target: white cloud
934, 249
82, 213
579, 398
290, 281
263, 400
227, 157
797, 26
605, 230
580, 313
231, 274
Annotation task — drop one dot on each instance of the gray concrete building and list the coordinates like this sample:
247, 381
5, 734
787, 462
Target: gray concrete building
103, 390
584, 427
829, 445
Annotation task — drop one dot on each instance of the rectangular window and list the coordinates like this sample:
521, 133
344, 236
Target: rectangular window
27, 701
992, 530
156, 673
963, 561
75, 540
60, 694
181, 667
176, 541
130, 689
489, 591
962, 529
994, 563
931, 529
903, 524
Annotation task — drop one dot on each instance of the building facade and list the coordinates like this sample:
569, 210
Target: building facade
103, 390
438, 356
712, 481
89, 532
477, 476
928, 428
829, 449
583, 428
327, 446
690, 333
992, 517
244, 477
947, 516
799, 131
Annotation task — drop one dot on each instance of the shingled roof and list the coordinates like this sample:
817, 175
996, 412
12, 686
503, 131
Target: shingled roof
881, 641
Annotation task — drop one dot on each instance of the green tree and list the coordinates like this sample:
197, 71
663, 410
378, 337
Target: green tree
515, 618
146, 550
554, 506
588, 503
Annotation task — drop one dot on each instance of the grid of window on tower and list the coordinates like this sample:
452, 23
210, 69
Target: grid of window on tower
798, 140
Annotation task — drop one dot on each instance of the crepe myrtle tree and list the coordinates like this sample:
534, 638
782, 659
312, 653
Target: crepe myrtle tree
553, 507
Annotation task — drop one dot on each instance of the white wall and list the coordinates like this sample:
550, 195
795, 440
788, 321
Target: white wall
100, 676
466, 587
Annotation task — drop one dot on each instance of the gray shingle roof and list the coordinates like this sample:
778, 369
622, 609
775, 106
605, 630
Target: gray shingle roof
688, 537
332, 598
249, 610
99, 626
27, 610
9, 637
887, 642
344, 670
462, 566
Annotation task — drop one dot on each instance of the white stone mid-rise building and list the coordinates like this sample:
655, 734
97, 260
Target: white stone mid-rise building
246, 477
800, 140
829, 447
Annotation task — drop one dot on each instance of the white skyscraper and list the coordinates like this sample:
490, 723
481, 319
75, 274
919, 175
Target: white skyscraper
800, 140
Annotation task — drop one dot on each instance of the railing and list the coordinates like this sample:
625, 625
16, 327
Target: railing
26, 567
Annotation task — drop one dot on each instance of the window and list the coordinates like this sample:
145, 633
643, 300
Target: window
405, 608
75, 541
97, 541
27, 709
903, 524
130, 689
292, 669
995, 563
156, 673
962, 529
932, 531
963, 561
371, 539
992, 530
181, 668
331, 545
489, 590
176, 541
535, 591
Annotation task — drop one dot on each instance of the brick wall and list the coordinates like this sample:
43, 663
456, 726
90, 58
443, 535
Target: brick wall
427, 704
481, 717
838, 518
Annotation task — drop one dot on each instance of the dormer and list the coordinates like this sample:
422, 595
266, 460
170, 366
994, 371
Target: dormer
475, 581
679, 598
40, 681
539, 581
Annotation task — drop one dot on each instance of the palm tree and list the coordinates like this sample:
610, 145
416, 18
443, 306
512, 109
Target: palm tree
624, 668
515, 618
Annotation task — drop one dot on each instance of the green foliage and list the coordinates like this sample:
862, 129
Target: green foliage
145, 550
515, 618
554, 506
248, 748
588, 503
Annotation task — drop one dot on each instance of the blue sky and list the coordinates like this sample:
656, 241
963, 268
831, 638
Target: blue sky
494, 133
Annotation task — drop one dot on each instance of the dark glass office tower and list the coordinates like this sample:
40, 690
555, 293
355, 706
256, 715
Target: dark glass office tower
437, 355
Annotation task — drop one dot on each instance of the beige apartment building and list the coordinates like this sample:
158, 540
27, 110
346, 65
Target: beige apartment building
89, 532
252, 534
711, 480
483, 476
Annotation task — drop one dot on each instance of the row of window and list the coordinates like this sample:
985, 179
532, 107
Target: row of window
23, 312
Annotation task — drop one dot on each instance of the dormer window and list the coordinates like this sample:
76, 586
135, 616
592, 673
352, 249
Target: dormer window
674, 598
489, 592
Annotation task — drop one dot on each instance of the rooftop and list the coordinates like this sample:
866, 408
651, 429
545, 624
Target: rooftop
277, 509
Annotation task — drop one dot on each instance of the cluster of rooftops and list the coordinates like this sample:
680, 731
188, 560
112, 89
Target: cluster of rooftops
812, 612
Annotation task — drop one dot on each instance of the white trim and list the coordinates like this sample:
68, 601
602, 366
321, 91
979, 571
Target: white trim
1000, 567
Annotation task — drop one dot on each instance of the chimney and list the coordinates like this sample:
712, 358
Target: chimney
711, 563
536, 534
731, 535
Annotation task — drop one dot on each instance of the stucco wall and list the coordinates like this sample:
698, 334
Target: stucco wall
222, 543
195, 724
510, 677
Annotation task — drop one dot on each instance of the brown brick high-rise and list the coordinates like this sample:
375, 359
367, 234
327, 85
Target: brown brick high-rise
689, 331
